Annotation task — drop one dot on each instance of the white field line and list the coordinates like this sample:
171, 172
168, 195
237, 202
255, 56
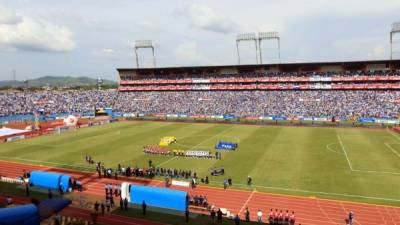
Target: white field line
32, 144
362, 171
68, 143
328, 146
393, 134
345, 153
46, 162
246, 202
167, 161
392, 149
378, 172
204, 141
316, 192
199, 144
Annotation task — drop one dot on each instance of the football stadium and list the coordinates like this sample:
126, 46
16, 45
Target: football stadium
261, 143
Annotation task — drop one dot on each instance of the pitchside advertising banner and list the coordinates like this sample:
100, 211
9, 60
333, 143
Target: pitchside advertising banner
15, 138
229, 117
379, 120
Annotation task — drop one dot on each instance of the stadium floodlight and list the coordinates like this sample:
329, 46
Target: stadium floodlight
144, 44
246, 37
395, 30
271, 35
268, 35
99, 83
396, 27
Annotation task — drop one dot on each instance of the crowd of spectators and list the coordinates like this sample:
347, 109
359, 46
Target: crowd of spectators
318, 103
26, 102
212, 75
198, 200
342, 104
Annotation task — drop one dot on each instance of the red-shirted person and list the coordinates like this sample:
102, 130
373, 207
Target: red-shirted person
280, 218
286, 218
292, 219
276, 215
271, 217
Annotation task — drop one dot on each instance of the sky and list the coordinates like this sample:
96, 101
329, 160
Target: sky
94, 37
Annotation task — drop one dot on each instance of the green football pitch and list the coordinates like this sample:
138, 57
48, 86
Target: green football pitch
338, 163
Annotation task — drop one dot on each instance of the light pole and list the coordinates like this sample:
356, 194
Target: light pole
144, 44
272, 35
395, 30
246, 37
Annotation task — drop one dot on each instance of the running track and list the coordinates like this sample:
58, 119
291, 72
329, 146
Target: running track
309, 211
108, 219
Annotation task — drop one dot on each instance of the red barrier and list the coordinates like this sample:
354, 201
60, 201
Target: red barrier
396, 129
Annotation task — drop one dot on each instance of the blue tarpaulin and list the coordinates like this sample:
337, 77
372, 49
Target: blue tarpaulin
50, 206
30, 214
49, 180
65, 180
23, 215
159, 197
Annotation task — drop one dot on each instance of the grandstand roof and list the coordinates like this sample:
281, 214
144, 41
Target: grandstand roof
285, 67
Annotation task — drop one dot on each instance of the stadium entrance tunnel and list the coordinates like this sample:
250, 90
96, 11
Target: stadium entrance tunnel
32, 214
48, 180
155, 197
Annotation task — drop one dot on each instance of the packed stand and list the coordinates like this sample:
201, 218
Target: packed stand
27, 102
318, 103
341, 104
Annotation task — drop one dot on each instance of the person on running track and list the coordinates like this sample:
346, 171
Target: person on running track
280, 217
271, 217
276, 215
292, 219
259, 216
247, 214
351, 217
286, 218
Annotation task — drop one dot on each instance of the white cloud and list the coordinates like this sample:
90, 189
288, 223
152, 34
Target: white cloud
27, 34
8, 16
362, 48
188, 53
206, 18
108, 51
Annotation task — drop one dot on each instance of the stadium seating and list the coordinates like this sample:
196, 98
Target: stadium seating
293, 95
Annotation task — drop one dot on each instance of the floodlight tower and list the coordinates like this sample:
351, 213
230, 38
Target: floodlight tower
272, 35
144, 44
246, 37
395, 30
99, 83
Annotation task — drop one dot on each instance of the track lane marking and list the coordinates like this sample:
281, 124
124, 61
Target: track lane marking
247, 201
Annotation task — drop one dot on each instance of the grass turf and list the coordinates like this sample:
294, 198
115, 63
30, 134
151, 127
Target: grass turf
338, 163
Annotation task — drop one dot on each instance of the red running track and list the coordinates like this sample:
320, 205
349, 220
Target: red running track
309, 211
83, 214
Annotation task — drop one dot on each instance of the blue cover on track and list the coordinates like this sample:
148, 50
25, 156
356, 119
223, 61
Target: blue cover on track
159, 197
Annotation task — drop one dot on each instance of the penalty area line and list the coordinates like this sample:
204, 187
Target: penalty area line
345, 152
392, 149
